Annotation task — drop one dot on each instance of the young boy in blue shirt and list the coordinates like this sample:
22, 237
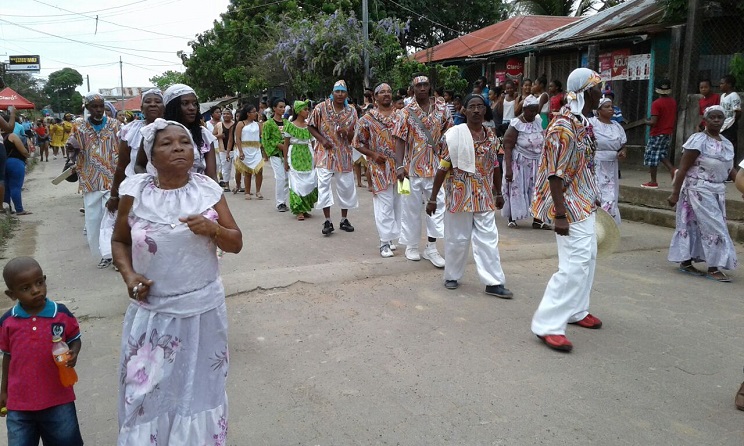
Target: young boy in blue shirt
37, 405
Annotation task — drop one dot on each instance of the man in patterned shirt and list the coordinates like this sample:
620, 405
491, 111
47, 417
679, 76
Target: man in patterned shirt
374, 138
332, 124
566, 192
422, 124
94, 148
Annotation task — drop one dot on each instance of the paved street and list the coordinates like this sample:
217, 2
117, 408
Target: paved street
333, 345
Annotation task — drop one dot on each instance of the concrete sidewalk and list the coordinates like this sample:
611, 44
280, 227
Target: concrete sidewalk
333, 345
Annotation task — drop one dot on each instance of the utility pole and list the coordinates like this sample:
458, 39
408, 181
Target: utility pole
365, 32
121, 75
87, 80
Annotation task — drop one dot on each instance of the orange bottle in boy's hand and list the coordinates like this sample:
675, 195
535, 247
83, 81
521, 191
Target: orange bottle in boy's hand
61, 353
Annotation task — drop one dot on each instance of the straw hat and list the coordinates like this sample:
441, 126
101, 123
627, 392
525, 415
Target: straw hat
608, 234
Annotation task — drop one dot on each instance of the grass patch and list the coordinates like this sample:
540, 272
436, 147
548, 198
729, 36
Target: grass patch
7, 225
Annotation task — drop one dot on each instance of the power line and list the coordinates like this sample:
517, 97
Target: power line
74, 13
103, 47
113, 23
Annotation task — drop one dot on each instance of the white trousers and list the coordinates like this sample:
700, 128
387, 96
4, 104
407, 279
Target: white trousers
107, 231
566, 297
225, 166
280, 177
345, 189
413, 209
95, 206
386, 205
480, 227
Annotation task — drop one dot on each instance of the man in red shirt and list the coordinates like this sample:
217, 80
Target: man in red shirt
663, 116
709, 99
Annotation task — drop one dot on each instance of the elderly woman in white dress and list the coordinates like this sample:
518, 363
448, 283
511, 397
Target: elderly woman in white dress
174, 355
523, 143
611, 140
701, 234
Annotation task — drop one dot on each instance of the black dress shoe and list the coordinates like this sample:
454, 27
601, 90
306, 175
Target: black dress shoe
327, 228
499, 291
346, 226
451, 284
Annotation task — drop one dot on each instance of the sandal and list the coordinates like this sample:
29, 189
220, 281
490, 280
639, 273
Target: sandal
235, 191
718, 276
247, 196
689, 269
541, 225
24, 213
307, 215
241, 190
512, 224
259, 196
300, 217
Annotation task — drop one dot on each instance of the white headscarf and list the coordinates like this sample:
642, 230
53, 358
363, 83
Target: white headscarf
713, 108
149, 131
175, 91
530, 100
580, 80
603, 100
152, 91
92, 96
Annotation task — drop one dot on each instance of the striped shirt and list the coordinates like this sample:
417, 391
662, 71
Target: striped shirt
421, 158
327, 121
99, 153
375, 132
472, 192
568, 154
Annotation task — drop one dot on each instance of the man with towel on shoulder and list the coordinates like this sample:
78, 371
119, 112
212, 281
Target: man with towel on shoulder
469, 156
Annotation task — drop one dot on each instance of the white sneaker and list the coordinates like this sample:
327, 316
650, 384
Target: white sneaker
412, 253
393, 246
385, 251
431, 254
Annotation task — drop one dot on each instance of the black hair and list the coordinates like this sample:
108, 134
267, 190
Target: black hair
730, 79
213, 108
57, 120
243, 113
558, 84
397, 98
509, 82
173, 112
705, 80
525, 80
17, 265
402, 92
440, 91
276, 101
488, 115
449, 92
542, 80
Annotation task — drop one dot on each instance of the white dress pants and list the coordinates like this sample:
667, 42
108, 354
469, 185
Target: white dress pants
95, 207
225, 165
386, 206
566, 297
480, 227
280, 176
345, 189
413, 208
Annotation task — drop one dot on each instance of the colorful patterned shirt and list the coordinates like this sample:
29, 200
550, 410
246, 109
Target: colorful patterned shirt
327, 121
99, 153
271, 137
568, 154
374, 131
472, 192
422, 159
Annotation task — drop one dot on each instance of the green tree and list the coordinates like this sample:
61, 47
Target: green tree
440, 76
29, 87
168, 78
316, 51
60, 88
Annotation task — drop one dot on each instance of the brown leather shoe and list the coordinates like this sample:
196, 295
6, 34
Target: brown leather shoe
739, 399
557, 342
589, 321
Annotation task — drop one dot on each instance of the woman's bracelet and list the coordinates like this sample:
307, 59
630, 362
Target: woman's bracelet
399, 167
216, 233
432, 201
560, 217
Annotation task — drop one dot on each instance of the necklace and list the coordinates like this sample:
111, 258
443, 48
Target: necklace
481, 132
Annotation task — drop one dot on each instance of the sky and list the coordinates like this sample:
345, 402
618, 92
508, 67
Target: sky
145, 33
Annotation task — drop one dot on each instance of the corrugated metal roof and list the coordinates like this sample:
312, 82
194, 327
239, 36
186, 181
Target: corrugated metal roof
493, 38
625, 18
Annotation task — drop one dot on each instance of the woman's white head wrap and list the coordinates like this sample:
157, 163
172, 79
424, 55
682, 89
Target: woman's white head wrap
151, 130
530, 101
603, 101
712, 109
154, 92
176, 90
580, 80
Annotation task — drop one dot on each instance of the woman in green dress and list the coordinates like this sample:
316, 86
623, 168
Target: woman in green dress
298, 162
